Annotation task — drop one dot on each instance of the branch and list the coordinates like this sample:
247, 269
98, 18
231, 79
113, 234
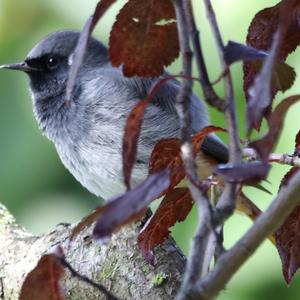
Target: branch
213, 238
280, 158
118, 266
287, 199
227, 200
86, 279
210, 95
198, 250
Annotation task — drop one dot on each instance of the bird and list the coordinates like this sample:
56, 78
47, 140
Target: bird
88, 132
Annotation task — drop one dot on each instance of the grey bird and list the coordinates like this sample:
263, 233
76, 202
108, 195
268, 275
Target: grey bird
88, 133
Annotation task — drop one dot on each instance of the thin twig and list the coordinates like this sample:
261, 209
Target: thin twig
266, 224
210, 95
235, 151
198, 192
280, 158
227, 200
215, 241
285, 159
89, 281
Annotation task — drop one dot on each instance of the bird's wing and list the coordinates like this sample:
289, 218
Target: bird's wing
165, 99
213, 146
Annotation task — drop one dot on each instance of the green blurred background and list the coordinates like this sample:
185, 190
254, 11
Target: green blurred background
40, 191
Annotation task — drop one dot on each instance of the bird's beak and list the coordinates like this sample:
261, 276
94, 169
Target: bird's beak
22, 66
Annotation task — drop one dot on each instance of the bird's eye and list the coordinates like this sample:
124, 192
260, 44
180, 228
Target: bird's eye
52, 62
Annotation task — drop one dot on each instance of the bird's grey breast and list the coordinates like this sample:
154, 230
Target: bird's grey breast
100, 114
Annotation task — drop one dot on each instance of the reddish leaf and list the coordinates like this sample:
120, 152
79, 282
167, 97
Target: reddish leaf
79, 52
288, 237
297, 140
199, 137
133, 128
297, 145
261, 97
85, 222
283, 75
279, 76
144, 37
246, 173
287, 242
285, 180
266, 23
43, 281
131, 205
175, 206
166, 153
130, 139
266, 144
261, 32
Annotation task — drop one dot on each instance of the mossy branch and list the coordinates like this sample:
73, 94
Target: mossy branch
118, 265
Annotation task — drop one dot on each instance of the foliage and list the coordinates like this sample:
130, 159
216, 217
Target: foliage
43, 281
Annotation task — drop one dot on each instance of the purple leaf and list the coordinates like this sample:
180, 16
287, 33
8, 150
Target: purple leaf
266, 144
235, 52
246, 172
127, 207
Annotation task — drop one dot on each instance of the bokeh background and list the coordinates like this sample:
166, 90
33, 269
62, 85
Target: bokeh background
41, 193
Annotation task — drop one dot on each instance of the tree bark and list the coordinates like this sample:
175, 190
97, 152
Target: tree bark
118, 265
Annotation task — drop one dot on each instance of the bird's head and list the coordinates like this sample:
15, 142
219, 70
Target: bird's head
47, 66
48, 63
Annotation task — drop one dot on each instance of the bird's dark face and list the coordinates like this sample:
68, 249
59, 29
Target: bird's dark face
47, 66
48, 75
